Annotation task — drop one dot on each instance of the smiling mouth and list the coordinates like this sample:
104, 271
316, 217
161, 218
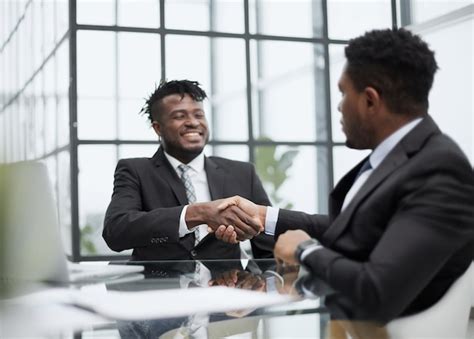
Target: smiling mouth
192, 136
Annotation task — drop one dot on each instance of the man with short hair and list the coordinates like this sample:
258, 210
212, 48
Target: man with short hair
162, 206
400, 228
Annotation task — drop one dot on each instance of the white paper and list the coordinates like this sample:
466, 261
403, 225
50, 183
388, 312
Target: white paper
175, 302
120, 305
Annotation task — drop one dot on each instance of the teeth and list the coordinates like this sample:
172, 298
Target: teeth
192, 133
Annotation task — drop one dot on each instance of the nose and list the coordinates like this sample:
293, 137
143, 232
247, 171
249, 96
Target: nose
192, 121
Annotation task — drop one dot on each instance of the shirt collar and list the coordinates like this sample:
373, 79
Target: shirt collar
197, 164
382, 150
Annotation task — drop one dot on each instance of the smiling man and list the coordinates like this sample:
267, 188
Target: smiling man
162, 206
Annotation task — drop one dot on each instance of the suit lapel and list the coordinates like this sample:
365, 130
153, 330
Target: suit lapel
216, 179
401, 153
167, 172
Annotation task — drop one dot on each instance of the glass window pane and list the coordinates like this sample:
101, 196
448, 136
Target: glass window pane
62, 18
137, 82
302, 18
185, 14
454, 117
49, 34
96, 85
96, 12
64, 199
422, 10
132, 125
39, 116
228, 16
348, 19
344, 159
95, 64
96, 119
49, 98
137, 151
62, 83
96, 176
337, 61
139, 64
287, 171
284, 93
141, 13
229, 98
192, 65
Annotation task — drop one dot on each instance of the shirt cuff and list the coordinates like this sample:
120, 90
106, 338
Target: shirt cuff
271, 220
183, 228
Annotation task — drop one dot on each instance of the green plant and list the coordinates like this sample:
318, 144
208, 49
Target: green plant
87, 245
273, 169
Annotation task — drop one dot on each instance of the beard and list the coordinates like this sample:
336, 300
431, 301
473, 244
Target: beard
359, 135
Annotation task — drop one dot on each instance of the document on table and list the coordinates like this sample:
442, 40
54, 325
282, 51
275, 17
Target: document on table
175, 302
121, 305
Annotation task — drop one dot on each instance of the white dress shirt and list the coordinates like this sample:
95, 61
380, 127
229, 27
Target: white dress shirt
198, 177
376, 158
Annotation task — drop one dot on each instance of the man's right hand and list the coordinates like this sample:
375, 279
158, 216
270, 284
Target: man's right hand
244, 221
231, 233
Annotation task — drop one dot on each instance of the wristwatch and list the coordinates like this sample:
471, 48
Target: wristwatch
304, 246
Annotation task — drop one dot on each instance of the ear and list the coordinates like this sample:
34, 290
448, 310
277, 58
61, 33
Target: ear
157, 127
372, 99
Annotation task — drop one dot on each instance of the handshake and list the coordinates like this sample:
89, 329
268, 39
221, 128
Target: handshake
232, 219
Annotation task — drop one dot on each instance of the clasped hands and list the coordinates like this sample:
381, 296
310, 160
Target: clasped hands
236, 219
232, 219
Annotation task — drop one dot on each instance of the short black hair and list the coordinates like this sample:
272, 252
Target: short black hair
397, 63
181, 87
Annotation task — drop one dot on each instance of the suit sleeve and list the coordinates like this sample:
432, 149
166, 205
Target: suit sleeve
313, 224
432, 228
126, 224
263, 244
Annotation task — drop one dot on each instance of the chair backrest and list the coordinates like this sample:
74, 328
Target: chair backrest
448, 318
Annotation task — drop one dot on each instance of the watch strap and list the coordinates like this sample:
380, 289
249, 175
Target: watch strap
303, 246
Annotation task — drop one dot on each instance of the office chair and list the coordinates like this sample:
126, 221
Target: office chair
448, 318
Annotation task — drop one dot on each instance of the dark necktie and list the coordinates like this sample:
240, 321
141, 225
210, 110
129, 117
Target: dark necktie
365, 167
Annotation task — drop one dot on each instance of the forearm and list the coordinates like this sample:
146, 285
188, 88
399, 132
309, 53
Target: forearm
132, 229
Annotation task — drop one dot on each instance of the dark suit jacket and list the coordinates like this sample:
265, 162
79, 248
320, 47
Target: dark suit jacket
148, 199
406, 235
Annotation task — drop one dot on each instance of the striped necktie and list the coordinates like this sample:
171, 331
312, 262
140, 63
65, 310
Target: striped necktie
190, 193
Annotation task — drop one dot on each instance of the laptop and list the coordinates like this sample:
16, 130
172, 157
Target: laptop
31, 243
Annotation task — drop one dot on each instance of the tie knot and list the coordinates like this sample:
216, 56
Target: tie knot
184, 168
365, 167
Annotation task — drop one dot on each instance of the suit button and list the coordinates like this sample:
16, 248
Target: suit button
193, 253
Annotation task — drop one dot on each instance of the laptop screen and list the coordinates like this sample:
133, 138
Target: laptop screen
33, 249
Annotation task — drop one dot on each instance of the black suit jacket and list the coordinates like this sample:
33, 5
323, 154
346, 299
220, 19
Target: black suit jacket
148, 199
406, 235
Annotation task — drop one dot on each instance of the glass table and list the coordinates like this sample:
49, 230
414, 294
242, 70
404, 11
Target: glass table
305, 314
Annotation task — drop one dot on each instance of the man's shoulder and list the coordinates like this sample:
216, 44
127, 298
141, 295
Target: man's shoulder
135, 162
442, 148
229, 163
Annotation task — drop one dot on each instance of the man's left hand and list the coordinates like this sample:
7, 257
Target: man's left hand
286, 245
